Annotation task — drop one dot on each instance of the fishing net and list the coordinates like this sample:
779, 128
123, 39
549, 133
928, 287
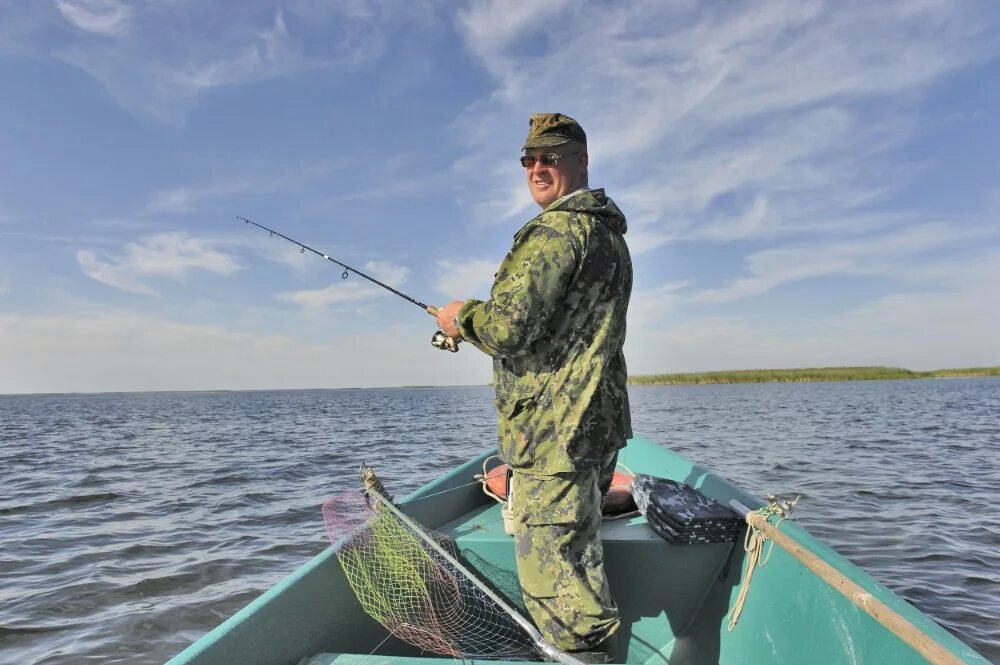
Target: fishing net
415, 591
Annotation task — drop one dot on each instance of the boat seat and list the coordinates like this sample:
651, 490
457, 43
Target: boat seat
659, 586
485, 525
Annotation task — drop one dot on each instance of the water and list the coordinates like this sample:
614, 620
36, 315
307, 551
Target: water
132, 524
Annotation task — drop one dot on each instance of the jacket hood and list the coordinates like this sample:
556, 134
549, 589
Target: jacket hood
593, 202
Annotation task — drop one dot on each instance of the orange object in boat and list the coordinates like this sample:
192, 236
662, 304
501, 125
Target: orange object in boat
618, 500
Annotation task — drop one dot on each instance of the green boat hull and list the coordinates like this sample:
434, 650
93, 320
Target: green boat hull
674, 599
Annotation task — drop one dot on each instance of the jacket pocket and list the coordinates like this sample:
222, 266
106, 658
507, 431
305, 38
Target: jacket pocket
515, 406
514, 394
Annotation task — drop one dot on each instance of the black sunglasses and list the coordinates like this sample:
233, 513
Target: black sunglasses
548, 159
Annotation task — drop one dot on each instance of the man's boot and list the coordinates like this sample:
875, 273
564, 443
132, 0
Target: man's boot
605, 652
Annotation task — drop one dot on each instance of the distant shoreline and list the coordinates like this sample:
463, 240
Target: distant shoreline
809, 374
802, 375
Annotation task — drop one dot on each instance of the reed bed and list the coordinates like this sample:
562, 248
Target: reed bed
808, 374
962, 372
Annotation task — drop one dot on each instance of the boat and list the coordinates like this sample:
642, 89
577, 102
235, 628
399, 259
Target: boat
807, 605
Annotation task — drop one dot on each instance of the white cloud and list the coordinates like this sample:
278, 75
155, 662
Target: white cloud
493, 24
164, 56
948, 325
334, 294
102, 17
640, 242
777, 181
390, 273
927, 330
181, 200
724, 121
354, 289
113, 275
116, 351
944, 320
270, 49
284, 179
384, 191
284, 253
465, 279
881, 255
170, 255
651, 305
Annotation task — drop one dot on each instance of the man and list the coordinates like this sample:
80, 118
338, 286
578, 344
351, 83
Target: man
555, 325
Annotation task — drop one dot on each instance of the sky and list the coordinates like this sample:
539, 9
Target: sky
806, 183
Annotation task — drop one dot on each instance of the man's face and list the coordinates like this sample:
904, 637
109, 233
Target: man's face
548, 183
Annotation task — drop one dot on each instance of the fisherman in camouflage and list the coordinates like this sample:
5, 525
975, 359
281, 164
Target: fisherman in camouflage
554, 326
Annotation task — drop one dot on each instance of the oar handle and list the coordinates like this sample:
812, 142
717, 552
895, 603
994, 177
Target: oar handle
902, 628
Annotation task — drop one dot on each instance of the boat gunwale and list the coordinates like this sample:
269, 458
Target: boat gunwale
430, 499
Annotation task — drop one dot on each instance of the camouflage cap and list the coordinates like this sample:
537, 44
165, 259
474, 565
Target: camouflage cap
549, 129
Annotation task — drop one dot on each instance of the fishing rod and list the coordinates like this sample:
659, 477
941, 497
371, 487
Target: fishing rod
440, 340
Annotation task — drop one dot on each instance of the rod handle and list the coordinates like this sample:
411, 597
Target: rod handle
432, 310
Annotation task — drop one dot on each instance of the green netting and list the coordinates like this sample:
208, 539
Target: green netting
414, 591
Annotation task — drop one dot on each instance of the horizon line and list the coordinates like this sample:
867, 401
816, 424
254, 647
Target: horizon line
631, 377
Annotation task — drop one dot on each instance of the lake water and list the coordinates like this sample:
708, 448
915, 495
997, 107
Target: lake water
131, 524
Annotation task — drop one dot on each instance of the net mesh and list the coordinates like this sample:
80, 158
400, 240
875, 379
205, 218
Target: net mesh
414, 591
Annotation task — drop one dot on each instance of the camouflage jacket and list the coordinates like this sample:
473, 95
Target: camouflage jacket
555, 325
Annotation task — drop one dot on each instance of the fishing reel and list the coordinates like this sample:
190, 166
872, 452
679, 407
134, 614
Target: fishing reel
443, 342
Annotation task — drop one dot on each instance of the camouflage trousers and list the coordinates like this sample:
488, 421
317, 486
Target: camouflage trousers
560, 557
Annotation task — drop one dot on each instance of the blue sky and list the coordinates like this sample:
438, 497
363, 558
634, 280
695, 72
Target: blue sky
806, 183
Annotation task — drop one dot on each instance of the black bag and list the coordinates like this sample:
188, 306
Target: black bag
681, 514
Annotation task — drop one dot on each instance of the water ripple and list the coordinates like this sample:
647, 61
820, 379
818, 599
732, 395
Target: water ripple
132, 524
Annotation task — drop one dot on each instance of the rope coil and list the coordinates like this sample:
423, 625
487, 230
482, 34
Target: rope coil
753, 545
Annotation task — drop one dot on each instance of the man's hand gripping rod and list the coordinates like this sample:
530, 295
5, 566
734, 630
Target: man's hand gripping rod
439, 340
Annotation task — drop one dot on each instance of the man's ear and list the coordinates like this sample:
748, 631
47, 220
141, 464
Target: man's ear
584, 160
